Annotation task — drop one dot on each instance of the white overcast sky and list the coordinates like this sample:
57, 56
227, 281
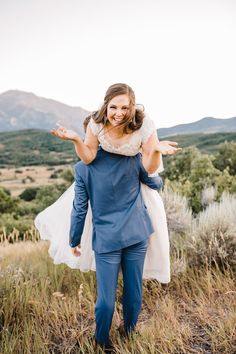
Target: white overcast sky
179, 56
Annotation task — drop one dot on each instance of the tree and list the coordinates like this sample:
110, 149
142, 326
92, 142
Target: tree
7, 203
189, 173
48, 195
29, 194
178, 167
226, 157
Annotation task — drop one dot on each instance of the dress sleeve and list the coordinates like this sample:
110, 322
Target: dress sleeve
95, 128
147, 129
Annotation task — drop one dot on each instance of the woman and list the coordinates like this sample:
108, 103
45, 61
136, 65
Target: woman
120, 128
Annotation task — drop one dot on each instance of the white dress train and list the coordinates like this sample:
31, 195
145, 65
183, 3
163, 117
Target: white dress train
53, 223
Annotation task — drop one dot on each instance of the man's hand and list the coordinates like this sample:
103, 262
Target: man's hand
75, 251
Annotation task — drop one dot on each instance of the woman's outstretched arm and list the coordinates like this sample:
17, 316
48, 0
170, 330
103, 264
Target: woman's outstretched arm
87, 149
153, 149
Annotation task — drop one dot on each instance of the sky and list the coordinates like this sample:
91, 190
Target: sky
179, 56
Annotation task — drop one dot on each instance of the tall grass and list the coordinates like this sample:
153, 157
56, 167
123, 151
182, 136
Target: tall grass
47, 308
50, 309
29, 235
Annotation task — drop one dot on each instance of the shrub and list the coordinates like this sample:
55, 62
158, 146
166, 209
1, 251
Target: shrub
67, 175
208, 196
54, 175
28, 179
29, 209
9, 223
190, 173
225, 183
44, 197
48, 195
29, 194
226, 157
214, 235
178, 213
7, 203
178, 168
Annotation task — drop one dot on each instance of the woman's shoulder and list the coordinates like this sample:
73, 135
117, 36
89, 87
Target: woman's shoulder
95, 127
147, 128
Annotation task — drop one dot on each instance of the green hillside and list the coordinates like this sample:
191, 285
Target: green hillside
34, 147
37, 147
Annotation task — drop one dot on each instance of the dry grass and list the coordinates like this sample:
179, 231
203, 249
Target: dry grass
50, 309
30, 235
214, 234
11, 178
178, 213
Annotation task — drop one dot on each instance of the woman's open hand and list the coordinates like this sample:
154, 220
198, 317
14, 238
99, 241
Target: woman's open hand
65, 134
167, 147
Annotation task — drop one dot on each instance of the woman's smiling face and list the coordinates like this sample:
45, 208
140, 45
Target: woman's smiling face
118, 108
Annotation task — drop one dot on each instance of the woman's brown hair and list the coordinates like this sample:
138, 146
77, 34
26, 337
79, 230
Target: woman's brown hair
134, 117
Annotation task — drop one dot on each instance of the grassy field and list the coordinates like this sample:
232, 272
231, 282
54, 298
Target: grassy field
47, 308
17, 179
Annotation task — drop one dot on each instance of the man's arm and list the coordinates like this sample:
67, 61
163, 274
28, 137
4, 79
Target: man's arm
154, 182
79, 211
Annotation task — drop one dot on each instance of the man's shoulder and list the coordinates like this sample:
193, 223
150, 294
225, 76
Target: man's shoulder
79, 167
104, 155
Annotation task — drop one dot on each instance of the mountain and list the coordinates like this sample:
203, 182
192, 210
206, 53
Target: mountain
205, 125
24, 110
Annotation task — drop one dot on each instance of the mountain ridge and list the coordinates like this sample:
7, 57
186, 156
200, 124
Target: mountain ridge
24, 110
207, 125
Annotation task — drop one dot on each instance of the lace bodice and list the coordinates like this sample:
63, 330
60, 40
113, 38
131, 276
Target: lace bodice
132, 146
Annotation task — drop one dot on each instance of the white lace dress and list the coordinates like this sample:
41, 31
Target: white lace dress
53, 223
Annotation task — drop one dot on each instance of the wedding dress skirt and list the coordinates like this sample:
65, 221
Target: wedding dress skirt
53, 224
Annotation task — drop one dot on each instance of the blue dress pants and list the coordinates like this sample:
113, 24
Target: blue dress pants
131, 261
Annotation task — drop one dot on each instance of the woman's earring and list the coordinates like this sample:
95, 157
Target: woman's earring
134, 120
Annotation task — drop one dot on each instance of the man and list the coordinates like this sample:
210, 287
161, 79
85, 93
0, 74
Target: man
121, 227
